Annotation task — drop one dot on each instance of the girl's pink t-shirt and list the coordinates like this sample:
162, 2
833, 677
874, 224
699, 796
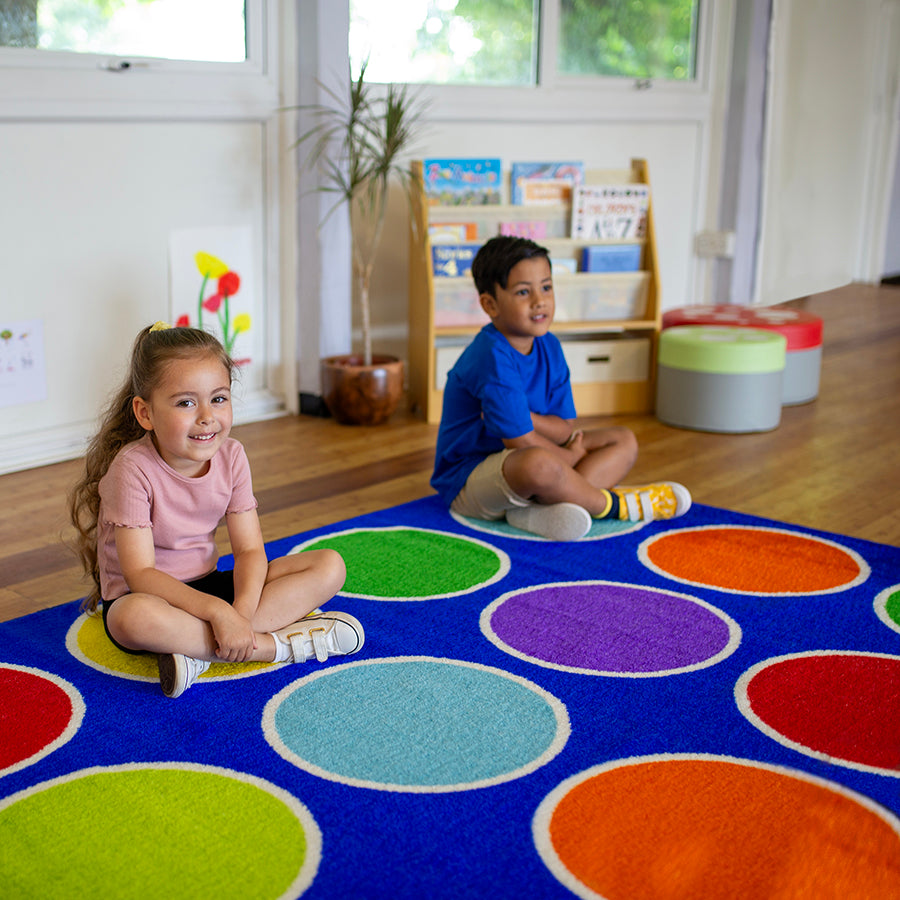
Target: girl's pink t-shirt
139, 490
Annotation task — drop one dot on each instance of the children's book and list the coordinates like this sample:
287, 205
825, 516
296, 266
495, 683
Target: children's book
563, 264
452, 260
610, 212
535, 231
544, 183
611, 258
452, 232
462, 182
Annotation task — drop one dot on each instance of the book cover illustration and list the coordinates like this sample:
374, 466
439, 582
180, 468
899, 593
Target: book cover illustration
462, 182
534, 231
453, 260
452, 232
610, 212
544, 183
563, 264
611, 258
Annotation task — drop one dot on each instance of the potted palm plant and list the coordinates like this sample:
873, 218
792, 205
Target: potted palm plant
356, 145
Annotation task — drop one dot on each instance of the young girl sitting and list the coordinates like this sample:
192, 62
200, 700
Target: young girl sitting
159, 476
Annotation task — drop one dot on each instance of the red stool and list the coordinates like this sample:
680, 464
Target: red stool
802, 330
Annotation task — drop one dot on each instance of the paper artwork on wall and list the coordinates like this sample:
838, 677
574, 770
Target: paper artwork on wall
211, 285
23, 374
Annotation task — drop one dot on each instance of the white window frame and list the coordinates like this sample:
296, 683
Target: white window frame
49, 84
558, 97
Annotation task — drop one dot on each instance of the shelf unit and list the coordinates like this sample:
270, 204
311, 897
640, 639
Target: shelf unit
608, 322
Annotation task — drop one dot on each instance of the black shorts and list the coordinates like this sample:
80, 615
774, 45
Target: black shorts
219, 584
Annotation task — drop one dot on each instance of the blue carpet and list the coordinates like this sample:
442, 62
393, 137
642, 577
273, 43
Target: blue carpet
704, 708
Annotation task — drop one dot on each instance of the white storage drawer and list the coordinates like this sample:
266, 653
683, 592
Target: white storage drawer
615, 359
446, 352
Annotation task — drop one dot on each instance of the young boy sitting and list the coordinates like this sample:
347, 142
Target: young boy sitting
507, 443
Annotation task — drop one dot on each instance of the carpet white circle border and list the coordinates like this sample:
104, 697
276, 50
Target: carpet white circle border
544, 814
743, 704
864, 569
734, 631
880, 606
601, 529
75, 720
503, 560
311, 831
235, 670
272, 732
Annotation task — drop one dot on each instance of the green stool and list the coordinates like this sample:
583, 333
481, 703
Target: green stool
713, 378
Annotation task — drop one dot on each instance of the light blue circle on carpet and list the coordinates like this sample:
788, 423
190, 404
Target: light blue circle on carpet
416, 724
600, 528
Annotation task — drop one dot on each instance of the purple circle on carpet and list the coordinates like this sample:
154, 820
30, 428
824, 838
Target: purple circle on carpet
608, 628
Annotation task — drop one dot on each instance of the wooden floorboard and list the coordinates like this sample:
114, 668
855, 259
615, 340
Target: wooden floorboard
831, 464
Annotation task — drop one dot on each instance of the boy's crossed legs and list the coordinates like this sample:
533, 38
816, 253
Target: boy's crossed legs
540, 493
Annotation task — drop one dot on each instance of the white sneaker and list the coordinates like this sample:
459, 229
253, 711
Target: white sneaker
321, 635
178, 672
556, 521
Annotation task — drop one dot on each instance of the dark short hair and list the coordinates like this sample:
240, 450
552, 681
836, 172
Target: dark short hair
495, 260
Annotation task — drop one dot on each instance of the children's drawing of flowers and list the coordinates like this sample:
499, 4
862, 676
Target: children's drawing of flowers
227, 284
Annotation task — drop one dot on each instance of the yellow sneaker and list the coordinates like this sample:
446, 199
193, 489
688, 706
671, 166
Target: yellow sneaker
665, 500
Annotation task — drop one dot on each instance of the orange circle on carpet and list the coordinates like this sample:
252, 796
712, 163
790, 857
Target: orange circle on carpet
752, 560
717, 828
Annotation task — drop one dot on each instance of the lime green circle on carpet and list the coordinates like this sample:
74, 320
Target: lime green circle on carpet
191, 831
412, 563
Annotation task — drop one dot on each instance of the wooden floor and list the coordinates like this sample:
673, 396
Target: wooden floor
831, 464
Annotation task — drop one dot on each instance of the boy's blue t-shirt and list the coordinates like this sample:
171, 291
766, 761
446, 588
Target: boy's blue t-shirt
490, 395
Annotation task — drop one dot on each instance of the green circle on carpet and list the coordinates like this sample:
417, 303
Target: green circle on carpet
887, 606
893, 607
181, 831
403, 563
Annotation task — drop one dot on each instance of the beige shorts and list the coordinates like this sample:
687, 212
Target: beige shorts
486, 495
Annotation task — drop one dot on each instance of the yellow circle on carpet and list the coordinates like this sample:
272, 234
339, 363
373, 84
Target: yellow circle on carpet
87, 641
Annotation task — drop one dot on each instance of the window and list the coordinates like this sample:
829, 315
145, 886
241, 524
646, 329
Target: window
159, 29
499, 41
446, 41
628, 38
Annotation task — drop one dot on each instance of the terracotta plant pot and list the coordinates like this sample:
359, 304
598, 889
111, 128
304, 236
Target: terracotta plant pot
356, 394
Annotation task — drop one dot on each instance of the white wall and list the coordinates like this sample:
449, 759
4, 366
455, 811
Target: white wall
97, 171
830, 145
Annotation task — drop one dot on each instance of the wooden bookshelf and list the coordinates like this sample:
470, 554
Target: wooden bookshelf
608, 322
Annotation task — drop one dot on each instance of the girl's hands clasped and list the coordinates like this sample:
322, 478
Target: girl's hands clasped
234, 635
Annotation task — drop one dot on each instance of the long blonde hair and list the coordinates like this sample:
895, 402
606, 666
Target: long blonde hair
153, 350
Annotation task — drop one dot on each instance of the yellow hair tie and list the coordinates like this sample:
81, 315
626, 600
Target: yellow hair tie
160, 326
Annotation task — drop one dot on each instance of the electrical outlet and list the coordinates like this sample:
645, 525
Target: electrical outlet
714, 243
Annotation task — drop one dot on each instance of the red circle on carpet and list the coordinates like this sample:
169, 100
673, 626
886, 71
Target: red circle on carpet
845, 706
36, 712
753, 560
716, 828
